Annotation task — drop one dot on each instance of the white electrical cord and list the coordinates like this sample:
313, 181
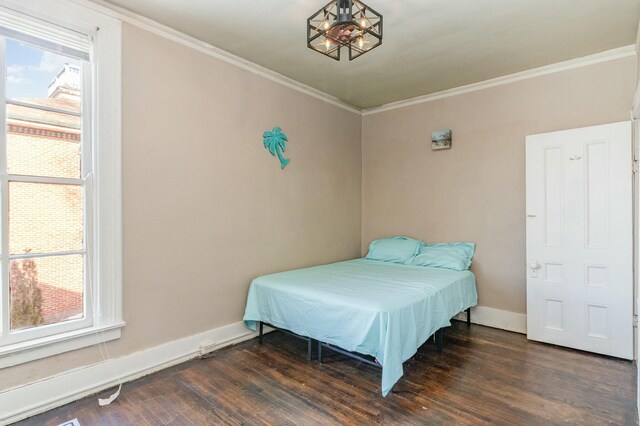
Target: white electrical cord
102, 402
102, 346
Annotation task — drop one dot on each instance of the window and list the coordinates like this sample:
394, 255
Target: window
60, 208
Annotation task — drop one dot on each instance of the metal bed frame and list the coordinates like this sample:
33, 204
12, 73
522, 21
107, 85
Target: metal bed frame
309, 340
438, 337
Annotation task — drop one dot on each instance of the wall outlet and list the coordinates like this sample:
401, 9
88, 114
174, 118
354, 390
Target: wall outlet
207, 348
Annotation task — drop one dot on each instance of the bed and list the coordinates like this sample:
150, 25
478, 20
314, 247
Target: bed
381, 309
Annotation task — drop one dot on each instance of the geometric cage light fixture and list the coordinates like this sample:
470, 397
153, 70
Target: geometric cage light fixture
344, 23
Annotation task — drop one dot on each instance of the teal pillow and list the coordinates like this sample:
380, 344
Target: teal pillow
394, 249
456, 256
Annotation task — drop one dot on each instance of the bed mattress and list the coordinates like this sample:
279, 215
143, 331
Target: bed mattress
381, 309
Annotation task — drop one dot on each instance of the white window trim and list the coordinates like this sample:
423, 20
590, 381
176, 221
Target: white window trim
107, 215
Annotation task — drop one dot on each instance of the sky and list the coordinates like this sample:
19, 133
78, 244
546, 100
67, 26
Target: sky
30, 70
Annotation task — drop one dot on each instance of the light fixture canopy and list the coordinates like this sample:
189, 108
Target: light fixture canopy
344, 23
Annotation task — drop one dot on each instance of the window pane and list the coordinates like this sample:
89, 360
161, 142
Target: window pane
33, 73
42, 150
45, 217
46, 290
41, 140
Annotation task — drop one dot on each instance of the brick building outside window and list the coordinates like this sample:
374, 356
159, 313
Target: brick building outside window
47, 143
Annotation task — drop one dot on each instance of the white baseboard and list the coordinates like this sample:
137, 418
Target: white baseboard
30, 399
496, 318
33, 398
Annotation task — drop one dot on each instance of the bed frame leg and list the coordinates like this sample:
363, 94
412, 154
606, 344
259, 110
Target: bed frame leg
309, 348
319, 351
260, 332
439, 340
468, 317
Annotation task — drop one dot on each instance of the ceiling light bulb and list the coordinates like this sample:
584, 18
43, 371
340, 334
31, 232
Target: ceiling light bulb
343, 23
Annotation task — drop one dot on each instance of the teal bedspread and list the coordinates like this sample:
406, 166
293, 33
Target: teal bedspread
381, 309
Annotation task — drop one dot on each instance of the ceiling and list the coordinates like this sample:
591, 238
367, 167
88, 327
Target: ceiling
429, 45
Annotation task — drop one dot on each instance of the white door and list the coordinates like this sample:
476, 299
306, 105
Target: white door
579, 239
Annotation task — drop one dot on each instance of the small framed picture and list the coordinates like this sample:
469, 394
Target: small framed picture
441, 139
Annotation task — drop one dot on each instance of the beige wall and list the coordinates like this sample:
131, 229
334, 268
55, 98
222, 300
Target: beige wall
206, 207
476, 191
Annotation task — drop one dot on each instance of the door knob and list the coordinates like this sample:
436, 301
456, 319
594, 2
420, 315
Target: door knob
534, 265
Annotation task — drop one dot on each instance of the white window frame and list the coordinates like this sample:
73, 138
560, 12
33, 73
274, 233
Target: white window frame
104, 216
8, 337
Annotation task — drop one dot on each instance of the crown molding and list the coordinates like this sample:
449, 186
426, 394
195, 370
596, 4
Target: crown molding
607, 55
210, 50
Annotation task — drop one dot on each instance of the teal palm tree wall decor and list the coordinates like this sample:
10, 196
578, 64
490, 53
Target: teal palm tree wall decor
275, 142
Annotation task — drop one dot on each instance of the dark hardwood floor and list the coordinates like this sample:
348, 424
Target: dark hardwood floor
482, 376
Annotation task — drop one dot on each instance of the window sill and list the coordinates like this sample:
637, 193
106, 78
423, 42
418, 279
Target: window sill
32, 350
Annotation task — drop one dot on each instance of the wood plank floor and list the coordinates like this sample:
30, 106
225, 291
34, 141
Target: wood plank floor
483, 376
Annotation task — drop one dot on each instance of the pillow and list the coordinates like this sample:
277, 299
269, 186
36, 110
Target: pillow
394, 249
456, 256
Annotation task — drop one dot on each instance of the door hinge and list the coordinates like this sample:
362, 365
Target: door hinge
634, 166
635, 321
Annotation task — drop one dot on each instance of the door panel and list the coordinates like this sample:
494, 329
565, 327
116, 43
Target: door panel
596, 183
579, 239
553, 197
555, 315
